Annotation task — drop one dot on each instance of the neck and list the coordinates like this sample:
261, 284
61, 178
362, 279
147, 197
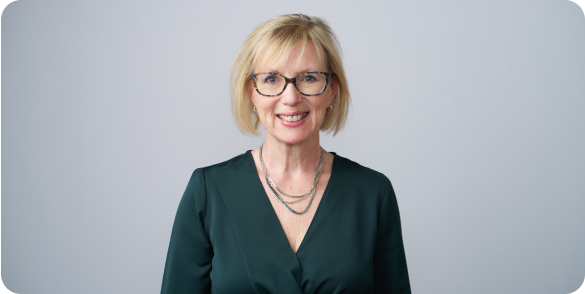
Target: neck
288, 159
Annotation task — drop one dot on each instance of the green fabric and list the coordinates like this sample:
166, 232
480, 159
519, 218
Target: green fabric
226, 237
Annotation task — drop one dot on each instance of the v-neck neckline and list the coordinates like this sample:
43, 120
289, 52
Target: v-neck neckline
273, 212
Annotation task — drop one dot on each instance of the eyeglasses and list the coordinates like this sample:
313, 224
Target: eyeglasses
272, 84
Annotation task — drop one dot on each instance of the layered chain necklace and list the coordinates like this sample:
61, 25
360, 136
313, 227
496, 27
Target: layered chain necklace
272, 186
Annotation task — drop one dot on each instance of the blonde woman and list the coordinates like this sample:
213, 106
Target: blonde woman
288, 217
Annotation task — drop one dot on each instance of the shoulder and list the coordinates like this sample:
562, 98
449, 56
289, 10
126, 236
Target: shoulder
237, 172
362, 186
236, 163
200, 176
354, 172
204, 180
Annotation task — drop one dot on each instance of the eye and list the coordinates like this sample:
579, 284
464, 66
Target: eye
270, 79
308, 78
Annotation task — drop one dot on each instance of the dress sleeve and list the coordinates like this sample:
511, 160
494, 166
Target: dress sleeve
390, 270
190, 252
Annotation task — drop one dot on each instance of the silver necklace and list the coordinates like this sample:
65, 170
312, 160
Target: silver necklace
270, 182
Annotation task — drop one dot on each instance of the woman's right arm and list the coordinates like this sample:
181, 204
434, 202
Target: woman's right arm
190, 252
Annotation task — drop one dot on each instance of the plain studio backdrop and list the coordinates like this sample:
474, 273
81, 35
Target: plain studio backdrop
475, 110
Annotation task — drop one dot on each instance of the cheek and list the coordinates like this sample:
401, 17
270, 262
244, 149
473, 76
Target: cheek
265, 112
319, 116
322, 107
268, 117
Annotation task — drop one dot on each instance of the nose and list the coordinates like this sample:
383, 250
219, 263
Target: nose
290, 96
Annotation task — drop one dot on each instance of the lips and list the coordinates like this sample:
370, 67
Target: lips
292, 118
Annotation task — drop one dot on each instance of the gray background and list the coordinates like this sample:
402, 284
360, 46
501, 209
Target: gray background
475, 110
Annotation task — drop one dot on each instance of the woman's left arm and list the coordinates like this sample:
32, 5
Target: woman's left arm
390, 270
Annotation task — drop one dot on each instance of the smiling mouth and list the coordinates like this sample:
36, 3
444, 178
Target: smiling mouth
292, 118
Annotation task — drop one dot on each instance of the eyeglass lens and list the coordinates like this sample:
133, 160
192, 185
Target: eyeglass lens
307, 83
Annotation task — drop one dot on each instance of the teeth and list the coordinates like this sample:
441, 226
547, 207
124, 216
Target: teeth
293, 118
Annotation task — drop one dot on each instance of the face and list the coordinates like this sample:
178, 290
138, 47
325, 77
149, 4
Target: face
274, 111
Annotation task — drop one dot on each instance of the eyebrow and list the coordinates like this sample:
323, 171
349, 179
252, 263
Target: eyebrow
299, 72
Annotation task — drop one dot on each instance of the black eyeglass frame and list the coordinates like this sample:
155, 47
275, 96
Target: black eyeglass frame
291, 80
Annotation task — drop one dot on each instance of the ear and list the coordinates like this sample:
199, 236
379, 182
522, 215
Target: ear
250, 90
334, 84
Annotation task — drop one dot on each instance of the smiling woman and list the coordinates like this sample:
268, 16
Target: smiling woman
293, 115
271, 45
288, 217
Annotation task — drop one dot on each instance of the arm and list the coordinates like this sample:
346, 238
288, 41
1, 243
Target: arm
190, 252
390, 270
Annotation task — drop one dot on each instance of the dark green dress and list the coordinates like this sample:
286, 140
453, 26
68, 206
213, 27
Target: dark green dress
227, 238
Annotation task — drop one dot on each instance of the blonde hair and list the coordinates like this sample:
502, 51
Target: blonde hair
273, 42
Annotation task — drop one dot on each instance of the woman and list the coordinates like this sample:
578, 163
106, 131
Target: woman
288, 217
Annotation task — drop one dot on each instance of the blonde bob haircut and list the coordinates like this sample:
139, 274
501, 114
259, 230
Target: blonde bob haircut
272, 43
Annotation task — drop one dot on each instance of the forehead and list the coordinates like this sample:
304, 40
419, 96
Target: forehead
294, 58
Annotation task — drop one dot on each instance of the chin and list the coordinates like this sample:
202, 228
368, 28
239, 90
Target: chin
294, 137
